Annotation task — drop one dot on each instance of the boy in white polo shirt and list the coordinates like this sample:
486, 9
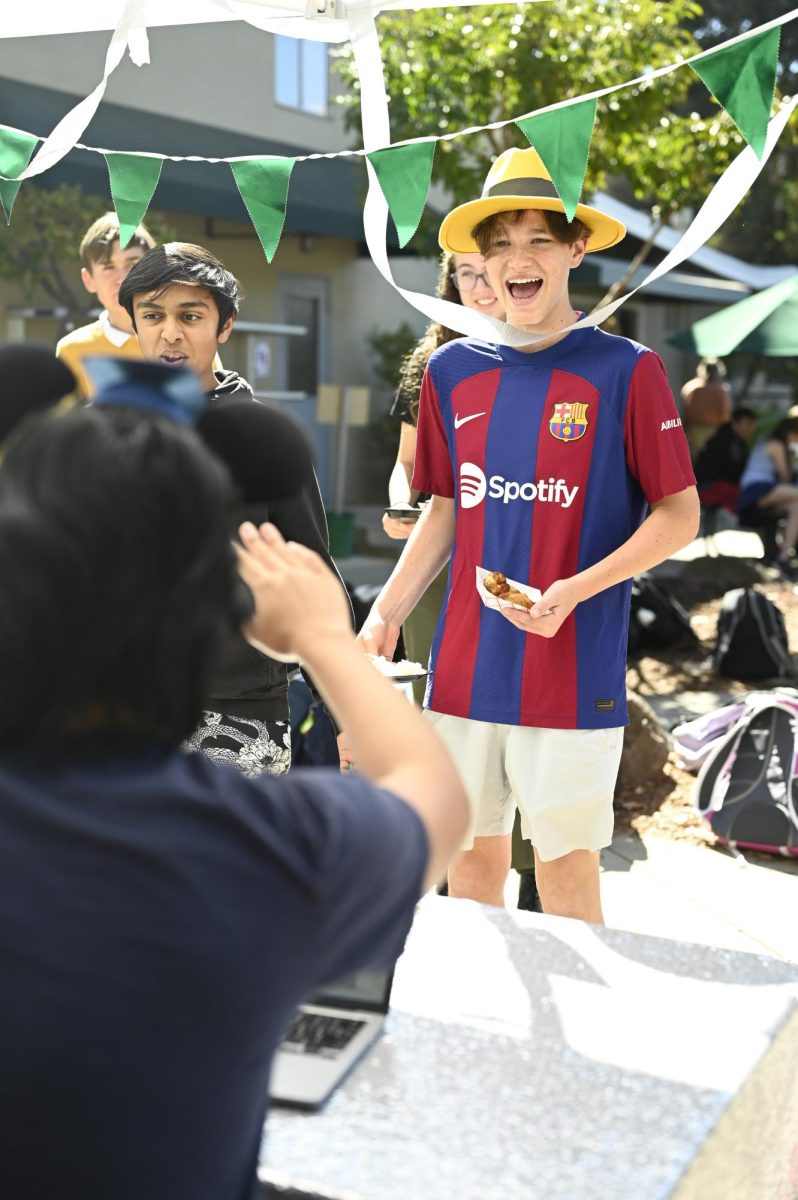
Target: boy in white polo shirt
104, 266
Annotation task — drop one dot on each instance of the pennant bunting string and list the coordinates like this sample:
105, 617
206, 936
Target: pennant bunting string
598, 94
740, 74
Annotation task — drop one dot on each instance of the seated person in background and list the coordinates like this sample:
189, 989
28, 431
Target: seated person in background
767, 487
183, 303
706, 403
103, 267
720, 461
162, 916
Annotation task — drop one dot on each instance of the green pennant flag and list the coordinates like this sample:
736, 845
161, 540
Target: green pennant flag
134, 178
562, 139
404, 174
742, 78
16, 149
263, 184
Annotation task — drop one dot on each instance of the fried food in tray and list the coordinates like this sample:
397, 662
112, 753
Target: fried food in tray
497, 585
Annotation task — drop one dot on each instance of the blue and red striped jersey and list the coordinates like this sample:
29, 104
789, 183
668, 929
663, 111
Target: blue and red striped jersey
551, 458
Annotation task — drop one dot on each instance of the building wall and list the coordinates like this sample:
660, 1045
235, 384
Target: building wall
218, 74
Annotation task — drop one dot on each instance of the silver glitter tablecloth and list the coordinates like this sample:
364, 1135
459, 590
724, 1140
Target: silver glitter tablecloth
533, 1058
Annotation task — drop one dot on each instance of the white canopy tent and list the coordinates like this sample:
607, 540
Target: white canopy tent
322, 20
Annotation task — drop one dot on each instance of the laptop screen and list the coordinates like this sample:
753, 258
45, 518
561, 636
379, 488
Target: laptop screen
362, 989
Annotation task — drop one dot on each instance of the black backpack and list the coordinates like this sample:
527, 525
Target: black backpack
656, 619
747, 788
752, 638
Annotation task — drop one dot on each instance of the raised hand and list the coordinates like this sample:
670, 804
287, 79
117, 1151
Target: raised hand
298, 599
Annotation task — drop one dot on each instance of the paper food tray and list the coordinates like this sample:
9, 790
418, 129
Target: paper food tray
491, 601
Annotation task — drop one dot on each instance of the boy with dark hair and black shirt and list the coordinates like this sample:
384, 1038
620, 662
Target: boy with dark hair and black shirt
182, 302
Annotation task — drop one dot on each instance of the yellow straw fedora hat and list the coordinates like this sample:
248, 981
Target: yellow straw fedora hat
518, 179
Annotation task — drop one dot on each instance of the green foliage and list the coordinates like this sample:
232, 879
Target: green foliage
388, 348
39, 249
448, 70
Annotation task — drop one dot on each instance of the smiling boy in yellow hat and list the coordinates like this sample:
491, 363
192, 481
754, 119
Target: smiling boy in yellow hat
563, 465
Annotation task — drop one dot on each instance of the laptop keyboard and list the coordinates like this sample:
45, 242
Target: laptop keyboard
315, 1033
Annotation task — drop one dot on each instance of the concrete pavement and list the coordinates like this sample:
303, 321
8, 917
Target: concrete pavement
702, 894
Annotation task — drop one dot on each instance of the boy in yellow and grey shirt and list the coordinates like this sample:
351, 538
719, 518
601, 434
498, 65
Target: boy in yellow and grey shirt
104, 265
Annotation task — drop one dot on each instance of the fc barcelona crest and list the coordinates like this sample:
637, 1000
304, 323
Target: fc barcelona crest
569, 422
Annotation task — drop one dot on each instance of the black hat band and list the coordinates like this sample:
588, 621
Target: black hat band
523, 187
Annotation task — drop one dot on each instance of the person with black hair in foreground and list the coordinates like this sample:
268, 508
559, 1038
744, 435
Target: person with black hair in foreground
182, 303
33, 380
160, 915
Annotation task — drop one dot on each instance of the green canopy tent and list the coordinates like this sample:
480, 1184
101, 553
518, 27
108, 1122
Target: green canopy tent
765, 323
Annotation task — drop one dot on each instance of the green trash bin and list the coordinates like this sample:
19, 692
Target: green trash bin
342, 533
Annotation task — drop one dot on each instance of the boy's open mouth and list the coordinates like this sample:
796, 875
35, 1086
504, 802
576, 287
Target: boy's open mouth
170, 359
523, 289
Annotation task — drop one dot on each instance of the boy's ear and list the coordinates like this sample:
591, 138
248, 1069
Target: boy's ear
226, 330
578, 251
88, 280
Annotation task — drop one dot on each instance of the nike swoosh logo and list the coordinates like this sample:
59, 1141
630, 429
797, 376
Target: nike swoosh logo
458, 421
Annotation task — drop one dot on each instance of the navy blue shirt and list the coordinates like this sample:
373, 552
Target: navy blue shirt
160, 918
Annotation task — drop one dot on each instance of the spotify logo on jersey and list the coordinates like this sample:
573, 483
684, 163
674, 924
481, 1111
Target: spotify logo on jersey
472, 485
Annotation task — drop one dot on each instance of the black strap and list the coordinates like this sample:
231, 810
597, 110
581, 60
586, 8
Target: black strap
523, 187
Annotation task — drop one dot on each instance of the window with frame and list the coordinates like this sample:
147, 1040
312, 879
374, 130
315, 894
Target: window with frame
301, 74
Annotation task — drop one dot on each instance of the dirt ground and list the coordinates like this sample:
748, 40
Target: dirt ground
663, 804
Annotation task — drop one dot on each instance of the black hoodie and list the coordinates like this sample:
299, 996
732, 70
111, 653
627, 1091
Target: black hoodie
247, 683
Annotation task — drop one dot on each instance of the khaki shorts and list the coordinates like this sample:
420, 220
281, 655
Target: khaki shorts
561, 780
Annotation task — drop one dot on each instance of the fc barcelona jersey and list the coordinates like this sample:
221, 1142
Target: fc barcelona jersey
552, 459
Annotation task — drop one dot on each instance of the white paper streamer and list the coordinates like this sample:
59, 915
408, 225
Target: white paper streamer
130, 32
377, 133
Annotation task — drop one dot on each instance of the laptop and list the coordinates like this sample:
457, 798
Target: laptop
327, 1036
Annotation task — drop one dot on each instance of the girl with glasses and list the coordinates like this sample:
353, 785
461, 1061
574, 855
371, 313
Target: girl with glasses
462, 280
